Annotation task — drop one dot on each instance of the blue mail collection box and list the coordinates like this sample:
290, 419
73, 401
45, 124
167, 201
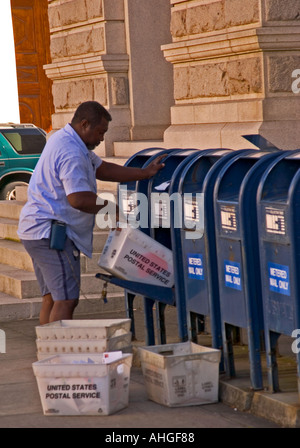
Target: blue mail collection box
160, 205
238, 255
279, 236
128, 202
193, 241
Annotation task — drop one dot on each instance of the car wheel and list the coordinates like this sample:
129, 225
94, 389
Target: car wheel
9, 191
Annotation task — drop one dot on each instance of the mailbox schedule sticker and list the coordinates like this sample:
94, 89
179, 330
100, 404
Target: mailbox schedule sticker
279, 278
275, 221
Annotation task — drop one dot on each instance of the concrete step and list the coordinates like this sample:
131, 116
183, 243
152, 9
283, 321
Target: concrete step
18, 283
11, 209
90, 265
13, 253
12, 308
99, 240
8, 229
128, 149
9, 221
23, 284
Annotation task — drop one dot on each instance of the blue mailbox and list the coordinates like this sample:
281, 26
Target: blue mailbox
151, 294
279, 236
238, 255
127, 203
160, 203
196, 279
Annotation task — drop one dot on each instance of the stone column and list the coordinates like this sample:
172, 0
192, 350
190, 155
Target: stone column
90, 62
233, 64
150, 76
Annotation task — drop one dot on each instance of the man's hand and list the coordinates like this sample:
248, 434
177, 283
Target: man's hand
112, 172
154, 166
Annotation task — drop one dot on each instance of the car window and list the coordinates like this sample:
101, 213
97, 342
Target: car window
25, 141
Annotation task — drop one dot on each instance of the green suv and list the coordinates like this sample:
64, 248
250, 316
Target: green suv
20, 149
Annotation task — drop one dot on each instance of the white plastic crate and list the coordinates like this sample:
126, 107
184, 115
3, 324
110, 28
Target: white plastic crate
48, 347
83, 329
181, 374
83, 384
132, 255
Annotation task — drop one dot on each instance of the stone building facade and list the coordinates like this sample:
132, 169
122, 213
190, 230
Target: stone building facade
179, 73
109, 51
233, 64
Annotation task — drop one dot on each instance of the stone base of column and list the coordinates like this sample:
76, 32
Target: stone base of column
230, 135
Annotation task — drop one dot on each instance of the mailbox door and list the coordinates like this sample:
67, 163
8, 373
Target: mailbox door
189, 248
127, 198
229, 238
159, 199
279, 244
191, 240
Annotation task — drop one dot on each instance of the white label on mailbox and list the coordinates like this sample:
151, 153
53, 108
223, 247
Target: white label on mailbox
191, 210
128, 204
162, 209
275, 221
228, 218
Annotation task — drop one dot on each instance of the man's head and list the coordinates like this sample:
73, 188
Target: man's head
90, 121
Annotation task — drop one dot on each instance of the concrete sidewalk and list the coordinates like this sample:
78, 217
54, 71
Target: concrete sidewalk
239, 407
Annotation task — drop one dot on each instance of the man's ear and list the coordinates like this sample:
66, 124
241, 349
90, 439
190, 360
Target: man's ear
84, 124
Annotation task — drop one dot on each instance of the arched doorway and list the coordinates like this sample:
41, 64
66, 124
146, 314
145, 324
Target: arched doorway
32, 48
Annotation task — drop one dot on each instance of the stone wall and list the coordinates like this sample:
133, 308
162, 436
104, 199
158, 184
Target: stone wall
233, 63
109, 51
186, 73
89, 61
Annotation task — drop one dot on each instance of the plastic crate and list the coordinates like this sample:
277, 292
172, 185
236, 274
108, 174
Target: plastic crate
132, 255
48, 347
181, 374
83, 384
83, 329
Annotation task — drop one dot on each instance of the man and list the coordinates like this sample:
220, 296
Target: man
63, 188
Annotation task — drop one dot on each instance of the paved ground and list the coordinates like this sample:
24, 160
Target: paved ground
20, 405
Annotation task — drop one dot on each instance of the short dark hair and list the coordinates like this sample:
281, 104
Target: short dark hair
92, 111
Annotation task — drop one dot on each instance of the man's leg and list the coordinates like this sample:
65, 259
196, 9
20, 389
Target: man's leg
58, 274
46, 309
63, 310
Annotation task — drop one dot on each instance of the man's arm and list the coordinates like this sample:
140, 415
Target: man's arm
85, 201
112, 172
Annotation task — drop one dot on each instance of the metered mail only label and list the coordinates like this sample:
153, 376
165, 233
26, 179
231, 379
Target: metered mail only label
232, 273
195, 266
279, 278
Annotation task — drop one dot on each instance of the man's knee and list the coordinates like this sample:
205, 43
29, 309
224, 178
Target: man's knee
68, 304
63, 309
47, 299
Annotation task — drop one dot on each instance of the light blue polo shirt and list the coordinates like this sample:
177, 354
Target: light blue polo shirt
66, 166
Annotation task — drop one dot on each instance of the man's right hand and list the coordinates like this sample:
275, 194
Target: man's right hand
154, 166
